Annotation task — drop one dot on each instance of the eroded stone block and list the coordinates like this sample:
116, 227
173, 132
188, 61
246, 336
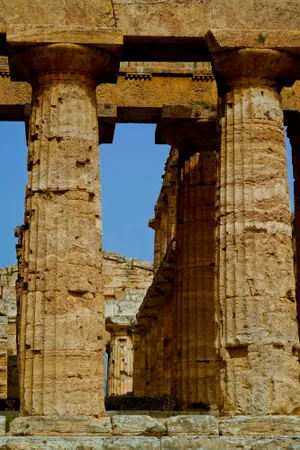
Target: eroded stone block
260, 426
220, 443
192, 425
137, 425
60, 425
131, 443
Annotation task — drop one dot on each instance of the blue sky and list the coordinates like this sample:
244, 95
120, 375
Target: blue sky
131, 170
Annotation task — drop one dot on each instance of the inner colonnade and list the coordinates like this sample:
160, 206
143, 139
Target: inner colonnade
217, 329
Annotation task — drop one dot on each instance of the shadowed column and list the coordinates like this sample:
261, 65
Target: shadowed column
194, 375
139, 360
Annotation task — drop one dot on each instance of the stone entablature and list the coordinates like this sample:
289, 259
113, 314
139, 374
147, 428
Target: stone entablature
141, 91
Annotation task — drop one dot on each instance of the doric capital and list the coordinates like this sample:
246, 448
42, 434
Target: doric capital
63, 61
189, 128
254, 58
119, 326
246, 61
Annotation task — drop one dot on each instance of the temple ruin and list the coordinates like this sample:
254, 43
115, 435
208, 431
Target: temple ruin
211, 332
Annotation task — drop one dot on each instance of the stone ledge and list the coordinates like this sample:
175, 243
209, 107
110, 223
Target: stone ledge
223, 443
260, 426
147, 443
133, 425
60, 425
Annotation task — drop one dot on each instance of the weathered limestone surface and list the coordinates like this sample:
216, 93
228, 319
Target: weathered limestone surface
121, 275
138, 425
195, 375
125, 279
67, 12
195, 364
148, 443
193, 425
260, 426
125, 284
143, 432
120, 367
152, 18
64, 425
164, 222
140, 92
8, 368
61, 344
257, 318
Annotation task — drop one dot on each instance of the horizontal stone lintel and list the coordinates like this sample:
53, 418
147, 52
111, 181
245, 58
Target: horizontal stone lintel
15, 96
109, 39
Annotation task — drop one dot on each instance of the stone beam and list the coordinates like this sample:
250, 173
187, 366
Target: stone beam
141, 91
156, 25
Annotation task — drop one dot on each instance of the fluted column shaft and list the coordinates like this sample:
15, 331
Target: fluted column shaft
293, 132
152, 354
120, 365
62, 324
195, 371
168, 347
139, 361
260, 370
159, 354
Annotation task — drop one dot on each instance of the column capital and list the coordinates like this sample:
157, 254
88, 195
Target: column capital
248, 67
63, 61
188, 127
253, 58
119, 326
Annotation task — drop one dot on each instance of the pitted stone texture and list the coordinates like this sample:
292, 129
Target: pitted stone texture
196, 361
147, 443
80, 443
120, 364
61, 339
2, 425
137, 425
192, 425
221, 443
256, 284
260, 426
8, 277
131, 443
129, 279
125, 278
60, 425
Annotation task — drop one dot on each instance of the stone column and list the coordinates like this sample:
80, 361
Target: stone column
159, 354
139, 361
151, 387
62, 319
195, 369
120, 367
293, 132
256, 285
